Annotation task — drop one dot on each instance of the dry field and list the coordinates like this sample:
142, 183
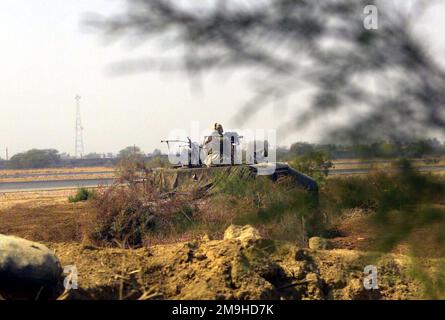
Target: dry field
34, 199
195, 269
53, 170
380, 163
203, 268
47, 216
44, 216
190, 268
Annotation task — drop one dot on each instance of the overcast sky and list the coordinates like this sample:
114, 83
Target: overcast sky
47, 58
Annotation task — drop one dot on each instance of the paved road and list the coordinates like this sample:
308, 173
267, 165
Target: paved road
52, 184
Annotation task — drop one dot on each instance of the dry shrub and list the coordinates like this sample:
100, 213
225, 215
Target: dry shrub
132, 169
121, 216
137, 213
128, 215
131, 211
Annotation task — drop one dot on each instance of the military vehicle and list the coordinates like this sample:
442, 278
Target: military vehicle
190, 169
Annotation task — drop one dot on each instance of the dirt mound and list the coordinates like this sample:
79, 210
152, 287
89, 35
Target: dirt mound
233, 269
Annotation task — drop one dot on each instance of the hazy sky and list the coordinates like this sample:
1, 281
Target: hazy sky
47, 58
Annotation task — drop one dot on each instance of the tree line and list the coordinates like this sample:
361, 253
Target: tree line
44, 158
378, 149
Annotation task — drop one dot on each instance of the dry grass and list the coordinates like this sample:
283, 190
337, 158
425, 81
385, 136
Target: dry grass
34, 199
356, 231
45, 216
56, 174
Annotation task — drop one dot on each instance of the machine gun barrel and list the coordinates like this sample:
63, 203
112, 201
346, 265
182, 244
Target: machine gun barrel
167, 141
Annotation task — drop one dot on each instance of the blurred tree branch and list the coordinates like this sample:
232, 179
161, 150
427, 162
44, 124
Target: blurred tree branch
383, 80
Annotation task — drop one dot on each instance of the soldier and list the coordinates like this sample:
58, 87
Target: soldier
217, 133
212, 146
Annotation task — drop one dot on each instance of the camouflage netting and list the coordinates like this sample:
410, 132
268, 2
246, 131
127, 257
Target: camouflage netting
204, 179
197, 178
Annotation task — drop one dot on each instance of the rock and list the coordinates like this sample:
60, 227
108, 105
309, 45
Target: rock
205, 238
245, 233
27, 269
355, 290
318, 243
314, 287
301, 255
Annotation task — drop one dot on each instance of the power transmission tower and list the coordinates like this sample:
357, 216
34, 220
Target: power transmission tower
79, 131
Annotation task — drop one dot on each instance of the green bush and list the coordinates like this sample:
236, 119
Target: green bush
134, 168
315, 164
82, 194
183, 218
271, 206
401, 201
158, 161
385, 191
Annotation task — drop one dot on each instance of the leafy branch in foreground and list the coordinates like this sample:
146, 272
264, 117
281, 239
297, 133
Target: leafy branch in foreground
384, 82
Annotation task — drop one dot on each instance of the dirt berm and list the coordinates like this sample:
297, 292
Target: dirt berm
241, 266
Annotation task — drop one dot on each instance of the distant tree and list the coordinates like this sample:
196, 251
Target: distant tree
156, 152
418, 149
93, 155
282, 153
35, 158
129, 151
387, 149
300, 148
158, 161
65, 155
435, 143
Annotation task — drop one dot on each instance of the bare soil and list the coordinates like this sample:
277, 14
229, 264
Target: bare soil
230, 269
210, 268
